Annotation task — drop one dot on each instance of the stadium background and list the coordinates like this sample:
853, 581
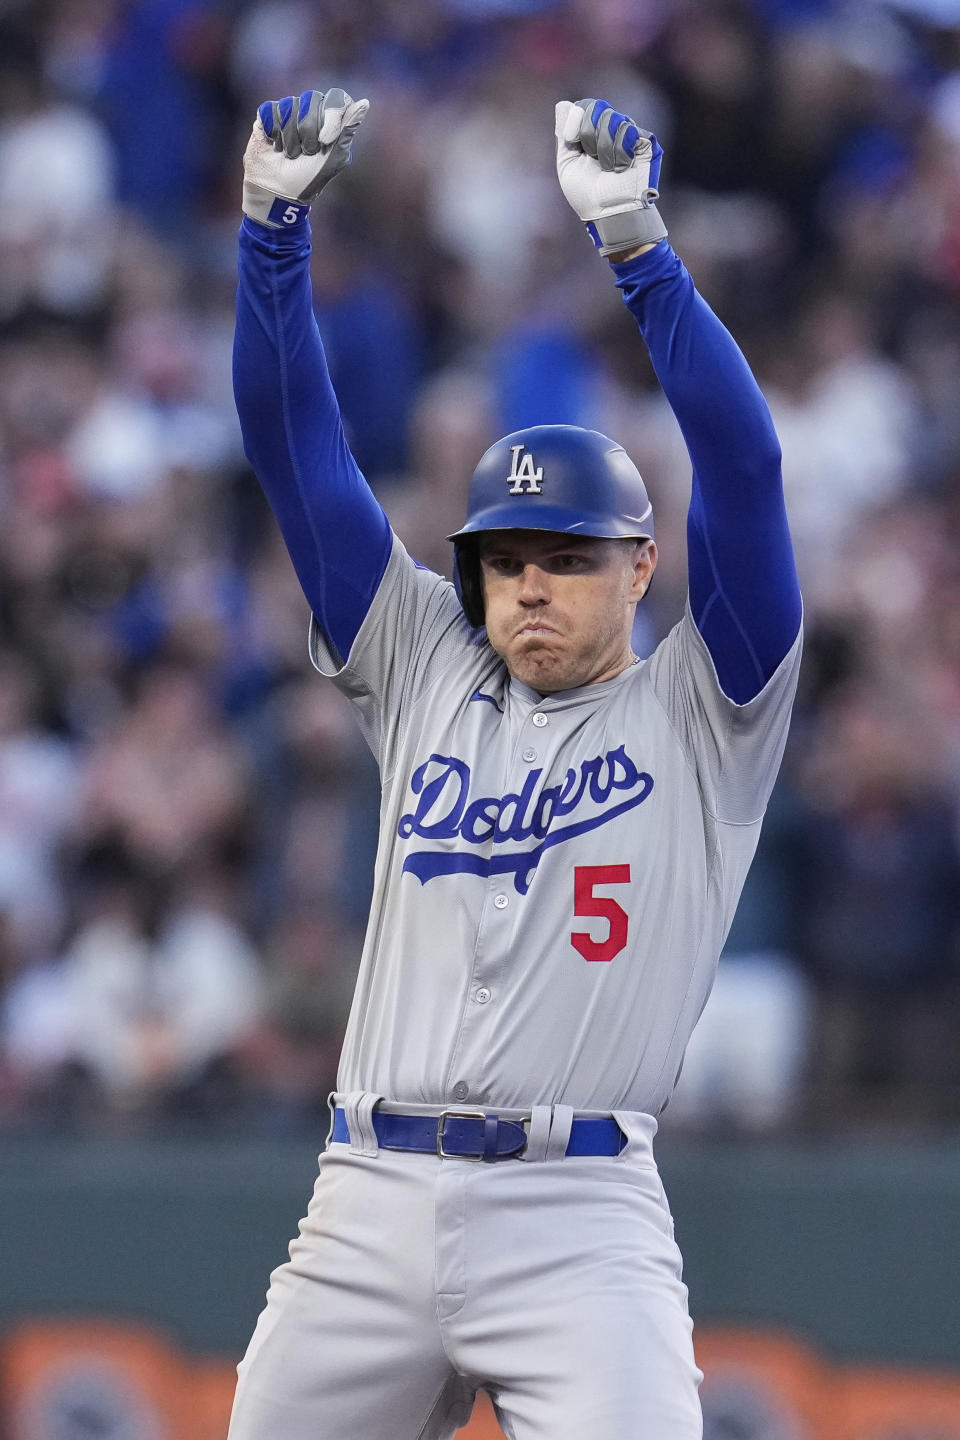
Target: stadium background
187, 819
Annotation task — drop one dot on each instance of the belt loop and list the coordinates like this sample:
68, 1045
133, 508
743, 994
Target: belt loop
559, 1132
358, 1107
638, 1130
539, 1134
368, 1135
490, 1128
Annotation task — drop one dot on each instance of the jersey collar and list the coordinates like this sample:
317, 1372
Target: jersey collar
561, 699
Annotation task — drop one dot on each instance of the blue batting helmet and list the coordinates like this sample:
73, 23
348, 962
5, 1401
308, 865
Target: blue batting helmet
549, 477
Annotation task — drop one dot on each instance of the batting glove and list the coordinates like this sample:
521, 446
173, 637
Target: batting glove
296, 147
609, 170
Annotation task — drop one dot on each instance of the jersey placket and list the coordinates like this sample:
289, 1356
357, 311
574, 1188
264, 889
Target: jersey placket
500, 914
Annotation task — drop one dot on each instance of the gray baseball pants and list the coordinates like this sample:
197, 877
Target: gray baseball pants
552, 1282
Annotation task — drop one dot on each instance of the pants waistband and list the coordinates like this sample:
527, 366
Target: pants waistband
463, 1133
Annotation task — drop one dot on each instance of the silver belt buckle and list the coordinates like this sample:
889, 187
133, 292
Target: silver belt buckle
459, 1115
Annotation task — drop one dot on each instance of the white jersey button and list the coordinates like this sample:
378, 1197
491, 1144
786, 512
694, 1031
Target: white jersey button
482, 995
461, 1090
501, 902
539, 719
529, 754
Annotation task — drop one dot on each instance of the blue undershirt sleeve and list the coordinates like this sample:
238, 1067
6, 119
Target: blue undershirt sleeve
335, 530
744, 594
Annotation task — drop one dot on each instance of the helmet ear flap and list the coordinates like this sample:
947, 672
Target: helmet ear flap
466, 580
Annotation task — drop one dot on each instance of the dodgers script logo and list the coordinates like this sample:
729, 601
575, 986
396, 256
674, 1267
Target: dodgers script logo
445, 810
523, 478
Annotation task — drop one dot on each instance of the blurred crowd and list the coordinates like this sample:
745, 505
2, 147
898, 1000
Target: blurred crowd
187, 815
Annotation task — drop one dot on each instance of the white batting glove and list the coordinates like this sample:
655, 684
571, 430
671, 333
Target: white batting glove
609, 170
296, 147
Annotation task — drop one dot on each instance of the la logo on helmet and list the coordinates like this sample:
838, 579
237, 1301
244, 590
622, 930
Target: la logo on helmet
523, 478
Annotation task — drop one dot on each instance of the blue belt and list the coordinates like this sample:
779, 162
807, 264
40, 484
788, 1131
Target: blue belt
474, 1135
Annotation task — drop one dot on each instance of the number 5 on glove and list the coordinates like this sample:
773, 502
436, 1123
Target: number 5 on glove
297, 146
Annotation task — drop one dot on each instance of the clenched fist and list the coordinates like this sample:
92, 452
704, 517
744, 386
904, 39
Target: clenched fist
609, 170
296, 147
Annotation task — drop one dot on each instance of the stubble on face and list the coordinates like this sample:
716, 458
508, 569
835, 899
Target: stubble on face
559, 609
571, 652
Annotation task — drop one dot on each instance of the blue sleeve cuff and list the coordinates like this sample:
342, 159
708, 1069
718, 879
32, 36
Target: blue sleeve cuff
273, 239
651, 265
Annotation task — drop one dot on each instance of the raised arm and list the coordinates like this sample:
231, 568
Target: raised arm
744, 594
335, 530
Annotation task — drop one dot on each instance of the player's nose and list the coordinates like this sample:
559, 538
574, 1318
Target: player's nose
534, 586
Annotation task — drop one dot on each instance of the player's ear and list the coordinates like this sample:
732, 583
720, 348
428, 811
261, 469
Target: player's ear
644, 564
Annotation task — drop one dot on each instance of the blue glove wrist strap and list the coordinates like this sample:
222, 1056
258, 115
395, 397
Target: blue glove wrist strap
286, 212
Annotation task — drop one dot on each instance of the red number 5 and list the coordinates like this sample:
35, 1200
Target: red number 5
585, 879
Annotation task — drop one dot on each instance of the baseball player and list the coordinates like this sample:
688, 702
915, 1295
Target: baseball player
564, 835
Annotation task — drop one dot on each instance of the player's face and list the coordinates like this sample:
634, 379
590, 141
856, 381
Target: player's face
559, 608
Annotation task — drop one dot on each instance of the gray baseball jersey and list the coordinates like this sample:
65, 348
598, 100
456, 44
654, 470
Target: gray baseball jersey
555, 879
556, 874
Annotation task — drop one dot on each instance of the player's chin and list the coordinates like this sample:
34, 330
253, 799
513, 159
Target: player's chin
530, 649
541, 665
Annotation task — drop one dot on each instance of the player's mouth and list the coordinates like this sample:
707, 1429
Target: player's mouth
534, 632
533, 629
